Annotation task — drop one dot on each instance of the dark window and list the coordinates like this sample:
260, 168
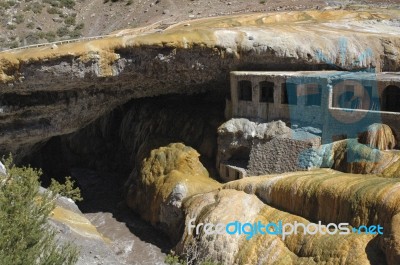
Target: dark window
374, 102
267, 91
313, 96
237, 175
289, 94
245, 90
348, 99
369, 91
390, 98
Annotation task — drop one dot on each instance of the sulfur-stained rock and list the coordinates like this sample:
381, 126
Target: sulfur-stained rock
229, 205
173, 190
379, 136
72, 226
350, 156
217, 207
331, 196
168, 176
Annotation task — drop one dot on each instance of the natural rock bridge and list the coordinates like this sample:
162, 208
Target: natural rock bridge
47, 91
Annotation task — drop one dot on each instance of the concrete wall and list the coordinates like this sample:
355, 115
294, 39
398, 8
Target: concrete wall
230, 172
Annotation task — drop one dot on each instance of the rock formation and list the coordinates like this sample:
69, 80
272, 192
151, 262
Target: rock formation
168, 176
352, 157
49, 91
72, 226
261, 148
305, 197
119, 141
231, 205
358, 200
379, 136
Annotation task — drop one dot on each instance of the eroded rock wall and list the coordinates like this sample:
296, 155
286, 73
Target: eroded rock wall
119, 140
54, 90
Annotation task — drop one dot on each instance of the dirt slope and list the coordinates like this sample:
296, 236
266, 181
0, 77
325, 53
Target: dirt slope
25, 22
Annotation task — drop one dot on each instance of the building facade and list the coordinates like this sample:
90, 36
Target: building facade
340, 104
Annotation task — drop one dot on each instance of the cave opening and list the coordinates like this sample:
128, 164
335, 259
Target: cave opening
101, 156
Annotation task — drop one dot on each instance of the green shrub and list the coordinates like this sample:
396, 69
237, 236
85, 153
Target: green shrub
36, 7
67, 3
63, 31
53, 10
67, 189
30, 25
4, 5
19, 18
75, 34
11, 3
27, 8
50, 36
70, 21
80, 26
32, 38
173, 259
53, 3
26, 237
11, 27
14, 44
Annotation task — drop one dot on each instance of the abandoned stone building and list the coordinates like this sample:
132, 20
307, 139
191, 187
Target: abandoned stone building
337, 104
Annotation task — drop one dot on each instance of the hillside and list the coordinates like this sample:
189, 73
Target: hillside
26, 22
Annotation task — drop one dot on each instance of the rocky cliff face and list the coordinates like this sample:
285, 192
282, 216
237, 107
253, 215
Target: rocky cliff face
56, 90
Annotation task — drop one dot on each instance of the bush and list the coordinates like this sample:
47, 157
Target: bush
14, 44
19, 18
67, 189
32, 38
30, 25
63, 31
50, 36
173, 259
67, 3
26, 237
11, 3
11, 27
80, 26
4, 5
53, 3
36, 8
53, 10
70, 21
75, 34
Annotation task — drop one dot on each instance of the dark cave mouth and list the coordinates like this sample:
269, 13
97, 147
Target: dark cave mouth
108, 149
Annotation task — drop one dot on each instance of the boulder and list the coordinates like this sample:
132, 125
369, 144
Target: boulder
168, 176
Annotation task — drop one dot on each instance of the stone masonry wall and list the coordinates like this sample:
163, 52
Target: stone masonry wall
276, 156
